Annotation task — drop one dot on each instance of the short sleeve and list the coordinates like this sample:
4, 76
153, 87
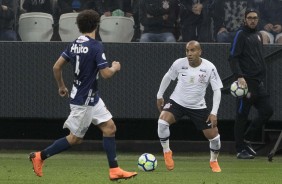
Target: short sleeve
101, 57
66, 54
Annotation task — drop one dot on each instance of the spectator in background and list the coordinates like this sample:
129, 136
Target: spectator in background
44, 6
135, 12
75, 6
38, 6
248, 66
7, 20
158, 18
117, 7
70, 6
228, 17
195, 20
270, 19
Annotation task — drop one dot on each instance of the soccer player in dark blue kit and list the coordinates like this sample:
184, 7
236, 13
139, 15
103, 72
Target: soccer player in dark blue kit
88, 60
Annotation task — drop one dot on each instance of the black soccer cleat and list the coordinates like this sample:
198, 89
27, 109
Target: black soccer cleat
250, 150
245, 155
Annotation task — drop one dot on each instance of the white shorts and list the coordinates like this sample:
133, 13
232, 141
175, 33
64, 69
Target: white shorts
271, 36
81, 117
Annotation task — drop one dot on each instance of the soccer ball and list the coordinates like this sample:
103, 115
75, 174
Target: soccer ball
237, 91
147, 162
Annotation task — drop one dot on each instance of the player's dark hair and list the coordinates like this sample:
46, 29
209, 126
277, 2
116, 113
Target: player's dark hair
250, 10
87, 21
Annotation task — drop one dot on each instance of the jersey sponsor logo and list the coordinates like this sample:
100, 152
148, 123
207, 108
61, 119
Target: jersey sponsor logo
203, 70
192, 80
77, 48
184, 67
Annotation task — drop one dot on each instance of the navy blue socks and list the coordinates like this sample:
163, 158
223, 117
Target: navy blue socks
110, 148
57, 147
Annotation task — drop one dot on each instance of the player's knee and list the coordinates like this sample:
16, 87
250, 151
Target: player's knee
73, 140
168, 117
110, 130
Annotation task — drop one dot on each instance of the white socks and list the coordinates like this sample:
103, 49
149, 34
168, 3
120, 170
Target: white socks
164, 133
215, 147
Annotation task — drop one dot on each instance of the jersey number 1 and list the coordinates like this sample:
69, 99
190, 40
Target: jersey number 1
77, 65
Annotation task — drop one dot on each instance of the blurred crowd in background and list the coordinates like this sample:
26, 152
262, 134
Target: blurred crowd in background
157, 20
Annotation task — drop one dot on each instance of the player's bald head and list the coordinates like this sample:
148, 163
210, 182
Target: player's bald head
194, 43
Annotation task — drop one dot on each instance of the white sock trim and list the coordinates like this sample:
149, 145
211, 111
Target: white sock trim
163, 122
216, 137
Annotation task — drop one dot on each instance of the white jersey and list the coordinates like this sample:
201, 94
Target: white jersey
192, 82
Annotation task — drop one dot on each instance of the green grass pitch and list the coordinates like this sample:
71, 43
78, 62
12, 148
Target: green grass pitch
92, 168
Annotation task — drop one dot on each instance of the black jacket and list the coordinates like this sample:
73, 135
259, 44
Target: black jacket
38, 6
156, 9
187, 17
246, 55
7, 18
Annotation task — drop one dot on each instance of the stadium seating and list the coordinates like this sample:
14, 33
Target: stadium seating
116, 29
36, 27
68, 29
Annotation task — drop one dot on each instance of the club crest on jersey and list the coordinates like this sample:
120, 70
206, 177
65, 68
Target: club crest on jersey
165, 5
75, 48
202, 78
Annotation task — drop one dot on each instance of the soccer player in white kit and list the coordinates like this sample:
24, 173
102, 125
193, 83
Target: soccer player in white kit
87, 57
194, 74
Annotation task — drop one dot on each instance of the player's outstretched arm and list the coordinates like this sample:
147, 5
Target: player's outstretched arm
163, 86
57, 70
109, 72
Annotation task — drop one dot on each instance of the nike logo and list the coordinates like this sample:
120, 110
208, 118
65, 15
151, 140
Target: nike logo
183, 74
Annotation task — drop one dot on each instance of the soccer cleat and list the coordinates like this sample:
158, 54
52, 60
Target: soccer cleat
244, 155
117, 173
215, 167
37, 163
250, 150
169, 163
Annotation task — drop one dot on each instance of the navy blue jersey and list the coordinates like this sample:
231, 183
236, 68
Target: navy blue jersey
86, 56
